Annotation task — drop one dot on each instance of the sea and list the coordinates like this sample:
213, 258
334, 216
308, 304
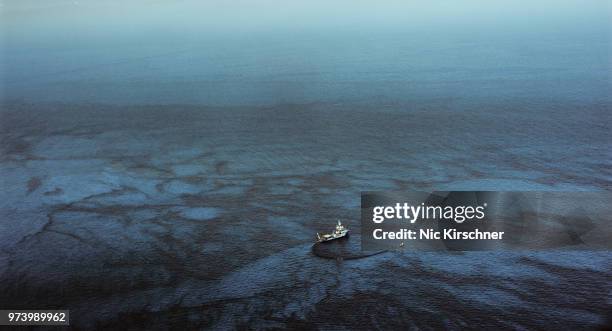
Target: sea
154, 177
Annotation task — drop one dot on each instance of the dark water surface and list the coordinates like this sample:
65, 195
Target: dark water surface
205, 217
167, 164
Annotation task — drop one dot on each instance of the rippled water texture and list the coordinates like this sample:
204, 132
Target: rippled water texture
205, 217
167, 164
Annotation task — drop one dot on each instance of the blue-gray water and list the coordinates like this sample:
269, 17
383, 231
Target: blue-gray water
159, 172
388, 69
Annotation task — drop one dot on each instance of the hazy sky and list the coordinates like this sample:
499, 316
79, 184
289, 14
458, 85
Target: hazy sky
238, 15
59, 48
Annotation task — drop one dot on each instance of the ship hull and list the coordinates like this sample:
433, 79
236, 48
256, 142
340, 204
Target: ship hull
323, 239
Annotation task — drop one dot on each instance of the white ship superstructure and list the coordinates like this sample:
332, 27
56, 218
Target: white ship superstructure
341, 231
